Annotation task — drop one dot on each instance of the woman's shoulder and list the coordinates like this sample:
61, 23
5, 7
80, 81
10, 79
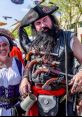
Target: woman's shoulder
15, 59
19, 64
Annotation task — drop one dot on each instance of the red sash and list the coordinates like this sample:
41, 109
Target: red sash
34, 110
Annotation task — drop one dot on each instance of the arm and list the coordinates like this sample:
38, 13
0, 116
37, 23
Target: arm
77, 49
25, 85
77, 79
76, 82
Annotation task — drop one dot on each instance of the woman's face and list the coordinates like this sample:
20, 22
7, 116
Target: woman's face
4, 50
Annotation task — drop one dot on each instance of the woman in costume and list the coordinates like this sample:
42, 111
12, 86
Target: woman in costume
11, 71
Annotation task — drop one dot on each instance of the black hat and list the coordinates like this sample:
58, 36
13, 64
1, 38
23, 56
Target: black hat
37, 12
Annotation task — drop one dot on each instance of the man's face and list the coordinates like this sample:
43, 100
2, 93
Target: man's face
43, 24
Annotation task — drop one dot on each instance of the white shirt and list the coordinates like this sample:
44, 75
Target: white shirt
71, 43
9, 76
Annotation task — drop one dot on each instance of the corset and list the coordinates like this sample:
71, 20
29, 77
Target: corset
9, 96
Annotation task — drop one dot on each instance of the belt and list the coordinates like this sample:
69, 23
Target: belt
8, 100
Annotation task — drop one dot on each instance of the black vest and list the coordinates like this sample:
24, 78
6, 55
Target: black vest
60, 50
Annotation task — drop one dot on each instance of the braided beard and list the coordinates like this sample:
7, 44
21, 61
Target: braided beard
46, 40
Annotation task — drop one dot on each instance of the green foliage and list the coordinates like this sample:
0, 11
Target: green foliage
28, 30
71, 10
15, 33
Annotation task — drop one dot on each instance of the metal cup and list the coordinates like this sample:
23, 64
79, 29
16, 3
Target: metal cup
28, 102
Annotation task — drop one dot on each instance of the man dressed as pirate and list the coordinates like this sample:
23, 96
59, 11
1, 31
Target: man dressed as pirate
50, 55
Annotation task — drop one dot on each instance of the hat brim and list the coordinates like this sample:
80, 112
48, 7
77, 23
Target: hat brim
29, 18
36, 13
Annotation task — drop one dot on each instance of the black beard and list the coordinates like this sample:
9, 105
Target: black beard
46, 40
51, 32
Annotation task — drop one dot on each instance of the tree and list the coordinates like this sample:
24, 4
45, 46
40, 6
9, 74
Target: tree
71, 11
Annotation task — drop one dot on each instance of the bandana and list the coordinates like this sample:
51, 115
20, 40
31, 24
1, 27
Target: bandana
4, 39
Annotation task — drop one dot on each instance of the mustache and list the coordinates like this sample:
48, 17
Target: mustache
45, 29
42, 38
49, 31
46, 36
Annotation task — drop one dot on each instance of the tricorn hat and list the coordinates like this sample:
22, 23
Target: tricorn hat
37, 12
34, 14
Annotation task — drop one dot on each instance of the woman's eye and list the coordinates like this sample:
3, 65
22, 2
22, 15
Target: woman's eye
4, 45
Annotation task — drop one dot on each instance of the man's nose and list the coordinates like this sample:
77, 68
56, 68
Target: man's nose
42, 25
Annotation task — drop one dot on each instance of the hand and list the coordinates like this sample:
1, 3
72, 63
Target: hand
77, 83
79, 105
24, 87
79, 108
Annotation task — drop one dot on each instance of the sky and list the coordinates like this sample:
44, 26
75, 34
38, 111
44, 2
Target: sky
7, 8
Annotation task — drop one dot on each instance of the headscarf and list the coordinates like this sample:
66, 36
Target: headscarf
8, 35
4, 39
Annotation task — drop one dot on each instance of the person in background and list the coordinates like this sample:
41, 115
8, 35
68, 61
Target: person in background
11, 72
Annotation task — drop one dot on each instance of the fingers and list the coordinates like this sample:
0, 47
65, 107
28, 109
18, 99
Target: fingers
29, 88
25, 87
23, 90
77, 83
80, 83
72, 81
79, 108
74, 87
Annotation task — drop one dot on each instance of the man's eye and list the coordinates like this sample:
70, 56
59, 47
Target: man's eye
38, 23
45, 20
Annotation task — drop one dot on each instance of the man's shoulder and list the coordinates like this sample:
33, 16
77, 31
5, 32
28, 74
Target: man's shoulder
68, 31
19, 65
68, 34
